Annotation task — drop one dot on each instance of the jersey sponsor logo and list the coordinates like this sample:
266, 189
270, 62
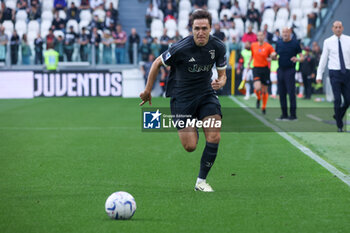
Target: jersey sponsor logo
212, 53
192, 60
195, 68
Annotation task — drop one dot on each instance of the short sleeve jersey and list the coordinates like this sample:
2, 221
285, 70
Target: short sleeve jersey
260, 54
191, 66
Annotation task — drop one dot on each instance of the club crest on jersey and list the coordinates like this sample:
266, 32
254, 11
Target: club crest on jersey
212, 53
167, 56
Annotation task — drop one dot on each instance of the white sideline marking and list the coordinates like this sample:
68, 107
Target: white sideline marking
304, 149
313, 117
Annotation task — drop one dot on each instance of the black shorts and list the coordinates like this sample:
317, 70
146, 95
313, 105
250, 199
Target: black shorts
262, 74
197, 108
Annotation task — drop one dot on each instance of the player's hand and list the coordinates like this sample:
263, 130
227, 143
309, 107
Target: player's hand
146, 96
319, 81
216, 84
294, 59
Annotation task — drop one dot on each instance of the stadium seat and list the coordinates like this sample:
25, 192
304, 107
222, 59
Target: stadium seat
225, 12
306, 4
47, 5
58, 33
294, 4
182, 24
156, 28
184, 15
83, 23
213, 5
33, 26
11, 4
184, 32
101, 14
62, 14
239, 25
171, 26
47, 16
282, 14
85, 15
161, 15
279, 24
21, 15
269, 14
185, 5
31, 37
269, 23
44, 27
306, 11
74, 23
21, 27
8, 25
76, 2
115, 4
214, 15
257, 4
298, 12
243, 4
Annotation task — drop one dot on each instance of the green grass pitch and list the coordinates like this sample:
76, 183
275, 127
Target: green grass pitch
60, 158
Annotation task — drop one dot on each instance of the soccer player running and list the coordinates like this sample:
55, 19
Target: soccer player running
191, 89
262, 52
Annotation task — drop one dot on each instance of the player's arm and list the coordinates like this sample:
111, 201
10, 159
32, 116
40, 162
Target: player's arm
152, 76
296, 59
220, 81
322, 63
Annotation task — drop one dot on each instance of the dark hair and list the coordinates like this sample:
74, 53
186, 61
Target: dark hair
201, 14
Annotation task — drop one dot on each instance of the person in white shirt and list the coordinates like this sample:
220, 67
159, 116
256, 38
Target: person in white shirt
336, 49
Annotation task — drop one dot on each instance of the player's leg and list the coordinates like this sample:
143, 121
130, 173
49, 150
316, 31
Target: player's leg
346, 94
265, 81
257, 90
290, 79
300, 81
273, 78
336, 88
247, 84
188, 137
283, 94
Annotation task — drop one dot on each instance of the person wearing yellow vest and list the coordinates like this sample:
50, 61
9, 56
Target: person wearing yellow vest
273, 78
247, 68
299, 77
51, 59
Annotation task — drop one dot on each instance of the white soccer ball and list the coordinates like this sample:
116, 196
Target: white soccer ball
120, 205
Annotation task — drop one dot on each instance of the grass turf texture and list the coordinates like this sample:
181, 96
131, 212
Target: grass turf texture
61, 158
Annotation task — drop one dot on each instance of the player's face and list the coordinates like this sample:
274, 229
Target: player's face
337, 28
286, 34
201, 30
261, 37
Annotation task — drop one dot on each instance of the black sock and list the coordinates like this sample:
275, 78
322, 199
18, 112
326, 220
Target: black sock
208, 158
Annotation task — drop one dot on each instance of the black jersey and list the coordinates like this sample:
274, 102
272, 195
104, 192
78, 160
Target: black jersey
191, 66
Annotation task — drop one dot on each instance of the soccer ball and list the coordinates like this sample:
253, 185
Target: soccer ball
120, 205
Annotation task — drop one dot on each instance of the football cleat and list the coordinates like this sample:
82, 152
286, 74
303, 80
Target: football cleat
203, 186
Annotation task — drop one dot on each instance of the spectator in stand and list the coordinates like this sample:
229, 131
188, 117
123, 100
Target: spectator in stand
120, 39
164, 41
50, 40
316, 50
84, 5
311, 19
146, 67
233, 45
226, 3
95, 40
58, 23
59, 47
268, 35
236, 11
134, 38
96, 4
14, 42
218, 33
155, 47
145, 50
234, 32
281, 4
250, 35
73, 12
253, 15
169, 12
34, 13
3, 44
6, 13
152, 12
38, 49
295, 25
83, 41
114, 13
225, 23
308, 72
149, 37
107, 42
69, 41
60, 5
109, 21
26, 50
96, 23
200, 4
22, 5
276, 37
177, 37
